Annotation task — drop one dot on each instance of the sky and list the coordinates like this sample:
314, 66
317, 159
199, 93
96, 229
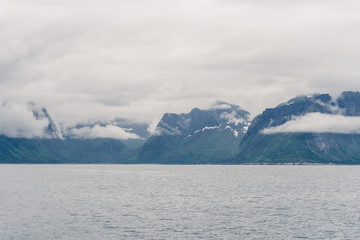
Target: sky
100, 59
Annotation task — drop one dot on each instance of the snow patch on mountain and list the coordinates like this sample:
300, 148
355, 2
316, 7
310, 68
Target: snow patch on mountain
204, 129
211, 128
236, 133
220, 115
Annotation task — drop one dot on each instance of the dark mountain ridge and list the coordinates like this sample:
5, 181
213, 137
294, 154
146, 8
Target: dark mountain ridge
222, 134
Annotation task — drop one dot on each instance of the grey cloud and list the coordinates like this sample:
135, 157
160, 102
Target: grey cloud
138, 59
318, 123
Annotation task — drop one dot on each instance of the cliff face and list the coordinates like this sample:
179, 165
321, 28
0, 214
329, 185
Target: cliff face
200, 136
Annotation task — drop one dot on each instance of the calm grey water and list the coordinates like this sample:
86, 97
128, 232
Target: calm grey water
179, 202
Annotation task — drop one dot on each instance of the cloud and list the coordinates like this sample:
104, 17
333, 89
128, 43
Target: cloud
231, 117
318, 123
139, 59
152, 127
18, 121
97, 131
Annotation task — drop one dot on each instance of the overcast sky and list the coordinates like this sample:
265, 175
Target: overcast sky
90, 59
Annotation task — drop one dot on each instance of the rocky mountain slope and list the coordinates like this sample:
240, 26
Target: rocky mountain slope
200, 136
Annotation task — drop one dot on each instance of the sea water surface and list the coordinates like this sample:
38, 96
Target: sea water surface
179, 202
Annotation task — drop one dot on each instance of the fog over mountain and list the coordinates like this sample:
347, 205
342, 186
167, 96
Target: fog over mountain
319, 123
97, 60
314, 128
18, 121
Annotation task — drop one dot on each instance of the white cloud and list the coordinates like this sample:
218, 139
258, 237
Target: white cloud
318, 123
230, 117
152, 127
18, 121
97, 131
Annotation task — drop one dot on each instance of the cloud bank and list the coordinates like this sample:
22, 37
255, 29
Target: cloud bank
318, 123
97, 131
18, 121
138, 59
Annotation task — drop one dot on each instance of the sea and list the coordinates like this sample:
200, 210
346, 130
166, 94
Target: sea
179, 202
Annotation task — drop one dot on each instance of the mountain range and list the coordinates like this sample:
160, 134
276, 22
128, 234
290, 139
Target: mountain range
200, 136
306, 129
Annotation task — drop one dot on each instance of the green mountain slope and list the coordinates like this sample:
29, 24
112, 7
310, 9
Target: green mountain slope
19, 150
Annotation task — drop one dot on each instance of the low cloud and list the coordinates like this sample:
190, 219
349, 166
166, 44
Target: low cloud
318, 123
18, 121
97, 131
231, 117
152, 127
165, 129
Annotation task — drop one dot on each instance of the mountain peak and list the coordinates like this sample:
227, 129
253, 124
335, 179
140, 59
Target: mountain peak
350, 101
197, 119
40, 113
225, 105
